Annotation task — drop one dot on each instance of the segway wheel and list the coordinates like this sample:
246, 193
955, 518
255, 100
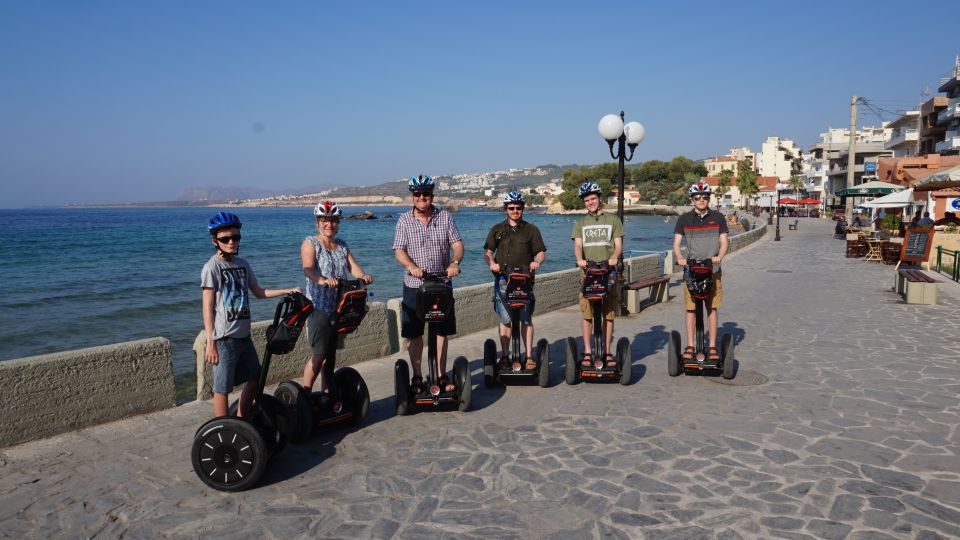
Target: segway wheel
299, 409
461, 374
353, 390
570, 375
401, 382
229, 454
625, 359
673, 354
490, 370
726, 347
543, 363
271, 419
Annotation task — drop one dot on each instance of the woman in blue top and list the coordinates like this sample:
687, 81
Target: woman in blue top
326, 260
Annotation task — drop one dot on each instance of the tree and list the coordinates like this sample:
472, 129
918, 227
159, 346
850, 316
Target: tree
796, 184
604, 175
726, 181
747, 182
535, 199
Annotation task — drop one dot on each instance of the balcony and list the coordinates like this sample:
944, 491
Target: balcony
901, 136
952, 111
950, 144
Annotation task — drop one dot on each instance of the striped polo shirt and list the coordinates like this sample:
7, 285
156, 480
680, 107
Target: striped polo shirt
702, 233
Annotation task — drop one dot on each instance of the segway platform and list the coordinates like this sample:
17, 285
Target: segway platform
516, 296
595, 288
699, 282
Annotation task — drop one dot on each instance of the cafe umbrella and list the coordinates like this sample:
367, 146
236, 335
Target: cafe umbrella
875, 187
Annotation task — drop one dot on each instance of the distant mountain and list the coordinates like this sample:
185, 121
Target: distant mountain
232, 193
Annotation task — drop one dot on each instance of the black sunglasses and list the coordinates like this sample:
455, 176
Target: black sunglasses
228, 239
514, 208
422, 194
701, 197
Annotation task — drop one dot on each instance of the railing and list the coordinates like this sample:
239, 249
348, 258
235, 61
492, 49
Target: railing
902, 135
954, 269
952, 142
952, 111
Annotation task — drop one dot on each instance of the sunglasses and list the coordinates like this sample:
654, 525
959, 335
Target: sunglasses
514, 208
334, 221
701, 197
228, 239
424, 194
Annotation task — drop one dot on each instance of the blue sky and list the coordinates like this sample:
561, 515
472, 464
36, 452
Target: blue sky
109, 101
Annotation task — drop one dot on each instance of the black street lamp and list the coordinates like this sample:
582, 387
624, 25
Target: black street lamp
777, 237
613, 130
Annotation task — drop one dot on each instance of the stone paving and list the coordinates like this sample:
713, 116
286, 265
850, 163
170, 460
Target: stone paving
854, 435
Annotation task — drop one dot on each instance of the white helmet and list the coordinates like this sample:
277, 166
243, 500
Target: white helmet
327, 209
700, 188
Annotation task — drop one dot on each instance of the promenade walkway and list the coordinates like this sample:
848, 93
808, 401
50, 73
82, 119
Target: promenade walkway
854, 434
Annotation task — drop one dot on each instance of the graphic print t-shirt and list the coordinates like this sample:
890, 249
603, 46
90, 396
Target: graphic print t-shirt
231, 280
597, 234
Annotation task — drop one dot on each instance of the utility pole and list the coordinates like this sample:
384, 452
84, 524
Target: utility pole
851, 157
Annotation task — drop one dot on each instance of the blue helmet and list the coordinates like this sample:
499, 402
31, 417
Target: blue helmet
590, 188
514, 197
420, 183
222, 220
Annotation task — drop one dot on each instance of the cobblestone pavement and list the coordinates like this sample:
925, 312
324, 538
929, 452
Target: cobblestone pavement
854, 435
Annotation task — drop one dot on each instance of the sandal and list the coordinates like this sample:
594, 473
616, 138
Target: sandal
416, 383
611, 361
688, 353
531, 364
713, 355
587, 361
446, 385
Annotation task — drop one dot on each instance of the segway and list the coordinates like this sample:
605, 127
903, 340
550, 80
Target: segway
596, 283
698, 276
348, 399
519, 285
434, 301
231, 453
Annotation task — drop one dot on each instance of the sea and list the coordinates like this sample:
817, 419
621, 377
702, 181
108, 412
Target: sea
80, 277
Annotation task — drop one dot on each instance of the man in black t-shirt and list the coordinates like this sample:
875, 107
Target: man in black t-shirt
706, 233
514, 242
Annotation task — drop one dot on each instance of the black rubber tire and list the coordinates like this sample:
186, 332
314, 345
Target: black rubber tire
274, 427
726, 348
490, 371
353, 391
625, 360
570, 374
299, 409
673, 354
232, 447
543, 363
461, 375
401, 383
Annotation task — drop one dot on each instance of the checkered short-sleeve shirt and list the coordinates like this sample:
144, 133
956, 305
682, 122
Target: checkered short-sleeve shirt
428, 245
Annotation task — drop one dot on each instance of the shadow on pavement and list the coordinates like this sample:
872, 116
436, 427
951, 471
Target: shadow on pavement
739, 334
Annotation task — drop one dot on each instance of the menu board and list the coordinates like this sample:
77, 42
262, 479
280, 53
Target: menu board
916, 245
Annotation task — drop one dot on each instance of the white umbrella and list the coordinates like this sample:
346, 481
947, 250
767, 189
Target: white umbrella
893, 200
949, 178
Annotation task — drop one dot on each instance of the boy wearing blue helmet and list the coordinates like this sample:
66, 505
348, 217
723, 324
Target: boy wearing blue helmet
598, 236
514, 242
225, 280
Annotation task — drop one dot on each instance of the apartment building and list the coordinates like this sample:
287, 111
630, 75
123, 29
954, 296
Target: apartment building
904, 135
949, 117
779, 157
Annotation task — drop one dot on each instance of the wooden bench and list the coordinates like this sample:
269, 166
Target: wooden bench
658, 292
793, 226
916, 287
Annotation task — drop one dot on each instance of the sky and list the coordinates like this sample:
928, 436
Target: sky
116, 101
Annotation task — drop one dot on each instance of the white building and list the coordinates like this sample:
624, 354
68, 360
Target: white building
904, 135
779, 157
825, 170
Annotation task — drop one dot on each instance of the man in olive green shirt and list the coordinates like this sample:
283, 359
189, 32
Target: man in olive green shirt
514, 242
598, 236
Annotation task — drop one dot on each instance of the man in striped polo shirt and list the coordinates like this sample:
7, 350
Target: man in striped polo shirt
424, 238
706, 233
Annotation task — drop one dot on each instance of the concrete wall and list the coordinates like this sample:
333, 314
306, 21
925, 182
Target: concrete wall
53, 393
374, 339
737, 242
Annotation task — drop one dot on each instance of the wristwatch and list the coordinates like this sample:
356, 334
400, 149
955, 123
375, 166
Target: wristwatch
455, 262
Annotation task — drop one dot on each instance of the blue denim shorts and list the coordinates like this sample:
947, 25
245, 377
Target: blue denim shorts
238, 364
503, 312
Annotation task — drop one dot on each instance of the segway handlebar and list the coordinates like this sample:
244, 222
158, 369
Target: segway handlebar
440, 277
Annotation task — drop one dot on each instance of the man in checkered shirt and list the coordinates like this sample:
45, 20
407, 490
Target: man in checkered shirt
422, 243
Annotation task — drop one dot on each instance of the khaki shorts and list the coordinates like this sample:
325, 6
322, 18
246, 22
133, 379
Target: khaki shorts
610, 305
713, 301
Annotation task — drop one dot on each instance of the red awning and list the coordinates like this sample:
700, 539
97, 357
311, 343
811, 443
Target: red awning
788, 201
808, 201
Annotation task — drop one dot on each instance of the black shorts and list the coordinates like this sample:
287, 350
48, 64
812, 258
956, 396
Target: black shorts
319, 330
411, 326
